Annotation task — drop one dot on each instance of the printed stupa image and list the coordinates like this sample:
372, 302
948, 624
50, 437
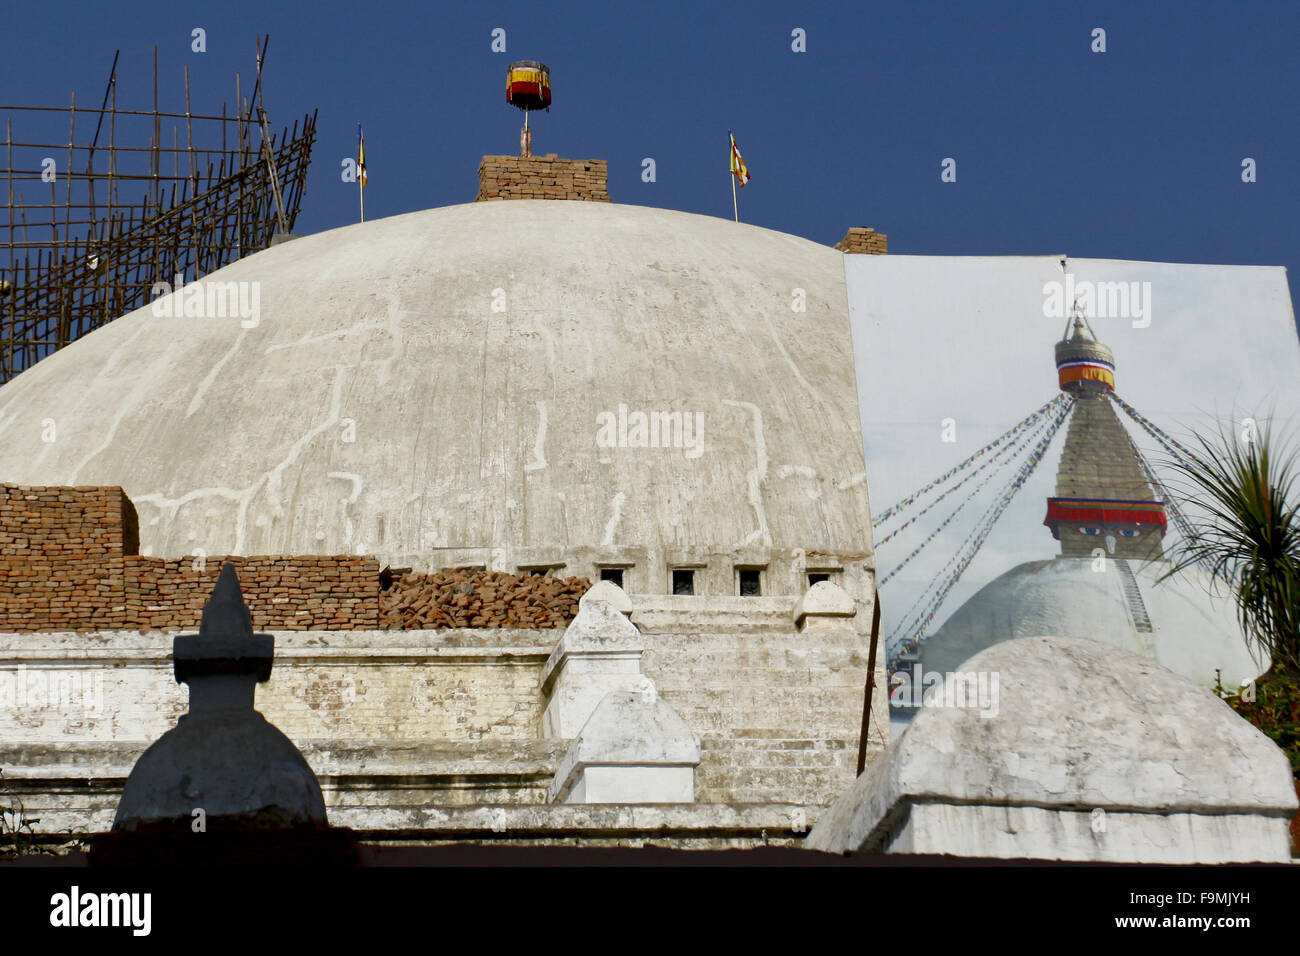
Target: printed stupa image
1110, 515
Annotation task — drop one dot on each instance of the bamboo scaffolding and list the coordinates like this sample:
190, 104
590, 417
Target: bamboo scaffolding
70, 263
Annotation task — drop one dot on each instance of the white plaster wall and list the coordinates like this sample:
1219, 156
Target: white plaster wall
1059, 834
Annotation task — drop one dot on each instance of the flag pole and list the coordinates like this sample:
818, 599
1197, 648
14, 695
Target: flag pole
735, 206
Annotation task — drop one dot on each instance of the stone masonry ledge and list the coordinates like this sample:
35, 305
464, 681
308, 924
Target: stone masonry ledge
525, 756
554, 820
97, 772
537, 822
154, 647
47, 760
75, 789
522, 646
674, 613
110, 762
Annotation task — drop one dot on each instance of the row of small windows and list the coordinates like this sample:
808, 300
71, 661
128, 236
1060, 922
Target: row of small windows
749, 580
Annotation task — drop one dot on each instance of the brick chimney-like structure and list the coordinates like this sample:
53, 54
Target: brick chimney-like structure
542, 177
864, 240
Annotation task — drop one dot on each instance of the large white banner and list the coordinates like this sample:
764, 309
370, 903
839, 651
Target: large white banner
951, 352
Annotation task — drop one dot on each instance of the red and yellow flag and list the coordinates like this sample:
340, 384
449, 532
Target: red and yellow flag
361, 156
738, 167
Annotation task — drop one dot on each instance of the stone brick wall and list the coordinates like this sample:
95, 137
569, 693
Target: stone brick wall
284, 592
864, 241
447, 599
68, 562
778, 715
542, 177
61, 555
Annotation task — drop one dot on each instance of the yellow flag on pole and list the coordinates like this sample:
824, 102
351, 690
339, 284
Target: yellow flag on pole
361, 156
738, 166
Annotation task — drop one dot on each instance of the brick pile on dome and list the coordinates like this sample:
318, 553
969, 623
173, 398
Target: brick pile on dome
480, 599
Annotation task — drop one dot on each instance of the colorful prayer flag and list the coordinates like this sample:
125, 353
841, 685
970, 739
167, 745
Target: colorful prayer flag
361, 156
738, 166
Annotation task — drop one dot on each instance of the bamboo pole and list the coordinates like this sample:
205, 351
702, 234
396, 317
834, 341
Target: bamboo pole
871, 683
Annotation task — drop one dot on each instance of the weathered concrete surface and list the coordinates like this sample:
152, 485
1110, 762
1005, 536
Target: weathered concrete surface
1094, 754
461, 684
390, 401
421, 792
633, 749
1191, 633
691, 825
673, 613
1174, 837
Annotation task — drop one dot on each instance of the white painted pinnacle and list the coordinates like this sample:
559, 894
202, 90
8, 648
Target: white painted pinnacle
824, 605
600, 652
609, 592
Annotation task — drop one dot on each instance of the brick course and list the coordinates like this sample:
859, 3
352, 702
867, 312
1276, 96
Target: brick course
68, 562
61, 555
542, 177
864, 240
284, 592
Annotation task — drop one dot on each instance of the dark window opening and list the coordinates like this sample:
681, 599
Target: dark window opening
614, 575
683, 581
816, 577
750, 585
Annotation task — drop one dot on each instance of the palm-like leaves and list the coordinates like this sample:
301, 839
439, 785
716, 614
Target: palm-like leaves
1247, 535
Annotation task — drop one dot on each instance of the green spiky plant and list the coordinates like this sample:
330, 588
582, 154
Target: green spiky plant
16, 834
1247, 537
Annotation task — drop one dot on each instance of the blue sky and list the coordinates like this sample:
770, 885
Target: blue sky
1132, 153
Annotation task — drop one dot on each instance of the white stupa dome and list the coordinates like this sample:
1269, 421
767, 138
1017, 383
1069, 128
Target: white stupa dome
430, 384
1179, 622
